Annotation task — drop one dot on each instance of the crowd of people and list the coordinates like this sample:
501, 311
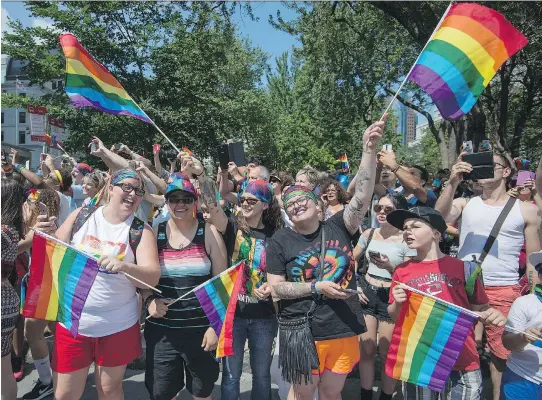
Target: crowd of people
325, 255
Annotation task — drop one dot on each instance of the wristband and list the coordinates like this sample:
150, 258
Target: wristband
18, 167
200, 174
314, 290
396, 168
148, 300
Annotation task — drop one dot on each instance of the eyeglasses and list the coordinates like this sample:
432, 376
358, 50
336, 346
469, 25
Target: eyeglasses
500, 165
181, 200
127, 188
387, 209
248, 200
301, 202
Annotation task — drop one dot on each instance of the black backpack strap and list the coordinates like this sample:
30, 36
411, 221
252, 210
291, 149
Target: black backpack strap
161, 235
496, 229
365, 264
136, 232
82, 217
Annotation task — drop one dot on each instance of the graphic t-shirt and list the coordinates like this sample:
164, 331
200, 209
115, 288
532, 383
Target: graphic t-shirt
252, 248
444, 278
297, 258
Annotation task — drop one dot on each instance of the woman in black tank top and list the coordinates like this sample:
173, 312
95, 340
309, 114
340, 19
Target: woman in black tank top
179, 340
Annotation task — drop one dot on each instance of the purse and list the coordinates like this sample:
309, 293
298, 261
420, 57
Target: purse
297, 351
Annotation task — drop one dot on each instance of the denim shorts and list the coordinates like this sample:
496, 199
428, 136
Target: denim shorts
378, 300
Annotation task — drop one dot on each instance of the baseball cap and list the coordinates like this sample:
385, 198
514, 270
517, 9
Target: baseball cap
536, 260
397, 218
181, 184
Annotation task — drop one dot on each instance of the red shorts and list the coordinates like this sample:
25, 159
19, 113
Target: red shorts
71, 354
501, 298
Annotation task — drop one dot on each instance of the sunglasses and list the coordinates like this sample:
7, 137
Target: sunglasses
127, 188
247, 200
387, 209
274, 180
181, 200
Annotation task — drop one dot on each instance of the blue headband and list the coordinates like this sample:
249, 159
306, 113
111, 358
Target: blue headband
123, 173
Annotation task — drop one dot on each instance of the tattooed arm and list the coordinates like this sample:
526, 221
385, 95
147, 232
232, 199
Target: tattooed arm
283, 290
538, 180
356, 209
533, 237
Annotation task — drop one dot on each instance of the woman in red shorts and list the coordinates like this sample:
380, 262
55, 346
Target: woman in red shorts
109, 333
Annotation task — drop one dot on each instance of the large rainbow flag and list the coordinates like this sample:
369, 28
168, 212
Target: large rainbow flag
218, 298
427, 340
462, 57
90, 84
59, 282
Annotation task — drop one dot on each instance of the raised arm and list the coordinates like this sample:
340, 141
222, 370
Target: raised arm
134, 155
445, 202
538, 181
217, 250
112, 160
407, 180
156, 180
356, 209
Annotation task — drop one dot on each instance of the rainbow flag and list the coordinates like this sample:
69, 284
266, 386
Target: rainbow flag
427, 340
90, 84
59, 282
344, 161
462, 57
218, 298
187, 151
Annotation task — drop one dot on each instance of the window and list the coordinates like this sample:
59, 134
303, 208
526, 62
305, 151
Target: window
54, 85
2, 136
22, 94
2, 117
22, 137
60, 84
22, 117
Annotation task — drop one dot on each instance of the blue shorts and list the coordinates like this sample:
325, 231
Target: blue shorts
514, 387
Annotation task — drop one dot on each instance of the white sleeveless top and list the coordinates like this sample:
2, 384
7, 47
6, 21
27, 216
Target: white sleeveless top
501, 266
111, 305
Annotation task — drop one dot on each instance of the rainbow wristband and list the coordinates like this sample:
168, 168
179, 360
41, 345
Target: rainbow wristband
18, 167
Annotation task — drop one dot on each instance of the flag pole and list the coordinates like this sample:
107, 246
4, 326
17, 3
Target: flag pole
54, 239
200, 286
415, 62
470, 312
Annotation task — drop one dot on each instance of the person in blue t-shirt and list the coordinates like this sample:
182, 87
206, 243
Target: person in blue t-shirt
413, 181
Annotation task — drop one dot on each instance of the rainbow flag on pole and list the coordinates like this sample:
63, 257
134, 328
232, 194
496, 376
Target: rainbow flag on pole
218, 298
90, 84
463, 56
59, 282
427, 340
344, 161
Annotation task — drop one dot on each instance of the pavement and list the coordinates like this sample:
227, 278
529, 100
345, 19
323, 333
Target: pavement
134, 386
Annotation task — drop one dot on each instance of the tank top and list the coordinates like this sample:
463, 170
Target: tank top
181, 271
111, 305
501, 266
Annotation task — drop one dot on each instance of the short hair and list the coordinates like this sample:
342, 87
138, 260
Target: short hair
399, 201
263, 173
311, 173
424, 173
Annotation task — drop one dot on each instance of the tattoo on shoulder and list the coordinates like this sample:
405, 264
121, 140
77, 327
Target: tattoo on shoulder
291, 290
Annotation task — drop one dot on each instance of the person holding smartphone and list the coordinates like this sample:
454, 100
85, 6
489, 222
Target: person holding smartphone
382, 249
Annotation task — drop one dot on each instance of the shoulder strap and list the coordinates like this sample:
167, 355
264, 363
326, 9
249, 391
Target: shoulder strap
136, 232
472, 270
496, 228
365, 263
82, 217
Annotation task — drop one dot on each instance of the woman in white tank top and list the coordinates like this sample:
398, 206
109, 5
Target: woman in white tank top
108, 329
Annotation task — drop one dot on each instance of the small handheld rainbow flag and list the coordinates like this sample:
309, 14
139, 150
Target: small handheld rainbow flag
187, 151
344, 161
463, 56
90, 84
427, 340
218, 298
59, 282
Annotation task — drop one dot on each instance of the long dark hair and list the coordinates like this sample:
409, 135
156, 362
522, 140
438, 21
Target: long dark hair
271, 218
399, 201
12, 205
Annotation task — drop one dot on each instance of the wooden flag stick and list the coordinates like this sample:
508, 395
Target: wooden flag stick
470, 312
415, 62
90, 256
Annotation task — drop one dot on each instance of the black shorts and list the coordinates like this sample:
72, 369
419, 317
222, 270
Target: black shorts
175, 360
378, 300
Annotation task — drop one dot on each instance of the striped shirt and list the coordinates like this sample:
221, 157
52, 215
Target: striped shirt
181, 271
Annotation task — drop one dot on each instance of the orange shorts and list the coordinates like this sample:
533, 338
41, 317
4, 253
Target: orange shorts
501, 298
339, 356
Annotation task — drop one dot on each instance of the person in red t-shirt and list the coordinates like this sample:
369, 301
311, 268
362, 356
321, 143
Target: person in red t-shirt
433, 272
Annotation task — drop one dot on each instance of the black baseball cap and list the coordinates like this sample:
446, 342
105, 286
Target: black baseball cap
397, 218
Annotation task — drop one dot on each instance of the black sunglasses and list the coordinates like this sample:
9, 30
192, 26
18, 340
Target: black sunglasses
181, 200
247, 200
127, 188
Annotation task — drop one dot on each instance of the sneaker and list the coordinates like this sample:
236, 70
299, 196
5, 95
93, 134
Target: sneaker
40, 391
17, 366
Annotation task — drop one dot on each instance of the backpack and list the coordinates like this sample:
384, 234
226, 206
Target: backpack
136, 229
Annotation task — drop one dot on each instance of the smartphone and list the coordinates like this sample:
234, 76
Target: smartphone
43, 156
387, 147
523, 176
118, 146
485, 145
156, 148
223, 155
93, 147
374, 254
482, 165
467, 147
43, 208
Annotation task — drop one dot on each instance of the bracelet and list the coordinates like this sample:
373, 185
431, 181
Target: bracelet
202, 172
18, 167
396, 168
314, 290
148, 300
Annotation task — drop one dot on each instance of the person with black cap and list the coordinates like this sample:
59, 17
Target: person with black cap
445, 277
522, 378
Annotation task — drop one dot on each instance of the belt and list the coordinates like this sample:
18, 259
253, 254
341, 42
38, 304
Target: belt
380, 278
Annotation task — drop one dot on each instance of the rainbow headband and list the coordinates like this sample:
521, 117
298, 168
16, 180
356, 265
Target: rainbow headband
298, 190
123, 173
259, 189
